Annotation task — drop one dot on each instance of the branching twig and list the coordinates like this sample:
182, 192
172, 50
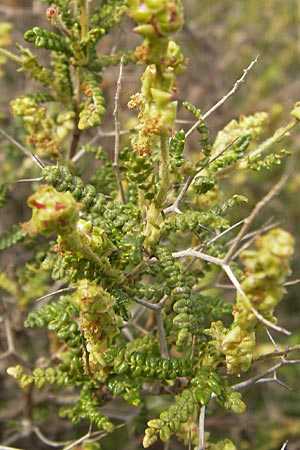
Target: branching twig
278, 353
58, 291
223, 99
175, 206
250, 237
253, 380
273, 379
258, 207
27, 180
245, 299
11, 348
161, 333
227, 269
212, 241
117, 135
23, 149
68, 445
201, 428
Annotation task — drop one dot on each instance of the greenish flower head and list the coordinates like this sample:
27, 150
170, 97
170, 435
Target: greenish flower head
92, 298
52, 212
156, 17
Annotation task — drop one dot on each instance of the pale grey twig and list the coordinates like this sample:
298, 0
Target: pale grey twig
223, 99
278, 353
161, 333
248, 221
253, 380
260, 318
292, 282
202, 428
157, 307
58, 291
117, 134
26, 180
212, 241
227, 269
11, 348
23, 149
273, 379
68, 445
175, 206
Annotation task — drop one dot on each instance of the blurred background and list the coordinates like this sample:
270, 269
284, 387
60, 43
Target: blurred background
220, 38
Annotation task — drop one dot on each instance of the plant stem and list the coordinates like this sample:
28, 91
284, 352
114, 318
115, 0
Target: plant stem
84, 18
10, 55
164, 172
154, 214
277, 136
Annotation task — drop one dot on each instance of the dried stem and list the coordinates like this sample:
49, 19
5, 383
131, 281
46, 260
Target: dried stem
75, 137
164, 171
223, 99
278, 353
175, 206
248, 221
248, 304
117, 135
161, 334
226, 268
202, 428
255, 379
24, 150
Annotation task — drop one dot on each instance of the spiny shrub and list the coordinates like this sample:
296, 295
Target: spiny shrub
140, 243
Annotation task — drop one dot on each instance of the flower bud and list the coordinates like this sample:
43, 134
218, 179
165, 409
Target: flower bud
52, 212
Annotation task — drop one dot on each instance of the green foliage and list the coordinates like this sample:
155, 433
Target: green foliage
10, 237
140, 239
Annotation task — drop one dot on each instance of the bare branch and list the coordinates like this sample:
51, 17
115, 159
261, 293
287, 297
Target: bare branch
68, 445
278, 353
248, 221
51, 294
162, 335
226, 97
192, 252
117, 135
223, 264
253, 380
157, 307
175, 206
292, 282
216, 238
201, 428
148, 305
26, 180
23, 149
47, 441
273, 379
248, 304
11, 348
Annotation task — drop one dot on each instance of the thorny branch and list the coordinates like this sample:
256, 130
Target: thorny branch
175, 206
271, 370
248, 221
23, 149
227, 269
223, 99
117, 135
201, 428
